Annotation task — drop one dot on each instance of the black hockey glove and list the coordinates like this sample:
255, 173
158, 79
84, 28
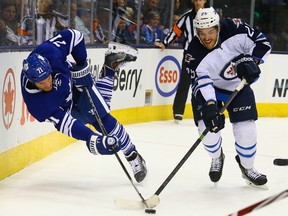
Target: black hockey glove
104, 145
247, 68
213, 120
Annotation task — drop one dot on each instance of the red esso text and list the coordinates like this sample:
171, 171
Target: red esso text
168, 76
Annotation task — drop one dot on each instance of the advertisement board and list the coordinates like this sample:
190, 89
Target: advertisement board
145, 86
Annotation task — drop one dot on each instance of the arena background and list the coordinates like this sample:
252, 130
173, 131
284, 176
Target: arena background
144, 90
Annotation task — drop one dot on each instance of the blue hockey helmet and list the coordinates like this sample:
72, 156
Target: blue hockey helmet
36, 68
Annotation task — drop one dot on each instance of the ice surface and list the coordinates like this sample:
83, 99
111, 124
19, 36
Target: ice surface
73, 182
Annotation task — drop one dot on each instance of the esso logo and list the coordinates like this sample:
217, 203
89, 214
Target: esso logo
167, 76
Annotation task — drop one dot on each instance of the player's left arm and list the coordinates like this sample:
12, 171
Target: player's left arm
256, 50
254, 43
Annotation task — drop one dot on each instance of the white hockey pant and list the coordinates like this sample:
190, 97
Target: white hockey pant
212, 141
245, 135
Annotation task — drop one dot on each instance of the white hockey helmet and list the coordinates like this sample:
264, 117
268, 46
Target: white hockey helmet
206, 18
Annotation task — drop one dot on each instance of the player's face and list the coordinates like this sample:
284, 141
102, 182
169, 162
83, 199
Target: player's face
208, 37
45, 85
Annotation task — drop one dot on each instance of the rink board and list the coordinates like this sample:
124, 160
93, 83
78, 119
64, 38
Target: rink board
144, 91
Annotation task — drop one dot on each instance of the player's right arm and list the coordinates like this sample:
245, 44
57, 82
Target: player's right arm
203, 88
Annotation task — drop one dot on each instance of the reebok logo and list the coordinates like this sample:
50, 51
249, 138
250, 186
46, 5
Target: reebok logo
244, 59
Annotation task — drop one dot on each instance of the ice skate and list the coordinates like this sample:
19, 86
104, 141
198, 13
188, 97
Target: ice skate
138, 166
252, 176
177, 118
118, 55
216, 168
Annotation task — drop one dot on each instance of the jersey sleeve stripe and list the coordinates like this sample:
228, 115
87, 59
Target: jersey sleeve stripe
72, 40
77, 37
67, 124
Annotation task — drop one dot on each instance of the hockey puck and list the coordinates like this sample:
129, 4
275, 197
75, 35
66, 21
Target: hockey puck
150, 211
280, 162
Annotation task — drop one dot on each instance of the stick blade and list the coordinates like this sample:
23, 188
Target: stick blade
152, 202
129, 204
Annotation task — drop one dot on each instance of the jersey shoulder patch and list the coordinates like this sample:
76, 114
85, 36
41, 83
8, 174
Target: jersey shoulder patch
237, 22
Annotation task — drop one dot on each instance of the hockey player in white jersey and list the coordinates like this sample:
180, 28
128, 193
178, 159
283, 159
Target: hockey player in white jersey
53, 90
223, 53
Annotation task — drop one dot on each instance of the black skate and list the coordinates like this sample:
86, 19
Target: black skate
252, 176
177, 118
216, 168
138, 166
118, 55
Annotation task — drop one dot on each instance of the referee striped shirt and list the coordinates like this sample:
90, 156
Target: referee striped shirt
183, 26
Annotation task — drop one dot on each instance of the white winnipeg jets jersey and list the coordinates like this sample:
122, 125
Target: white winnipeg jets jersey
210, 69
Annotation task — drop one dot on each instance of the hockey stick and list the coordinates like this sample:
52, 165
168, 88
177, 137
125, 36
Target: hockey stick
260, 204
280, 162
144, 202
154, 200
122, 10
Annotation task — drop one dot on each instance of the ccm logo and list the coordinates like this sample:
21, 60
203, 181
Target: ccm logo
239, 109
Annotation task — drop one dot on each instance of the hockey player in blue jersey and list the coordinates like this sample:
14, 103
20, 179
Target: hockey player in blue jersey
51, 94
223, 53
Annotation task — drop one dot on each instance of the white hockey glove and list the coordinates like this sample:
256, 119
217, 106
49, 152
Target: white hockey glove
81, 75
104, 145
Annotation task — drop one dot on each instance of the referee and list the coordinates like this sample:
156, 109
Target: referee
184, 26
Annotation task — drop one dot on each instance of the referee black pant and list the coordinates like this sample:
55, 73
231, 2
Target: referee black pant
181, 93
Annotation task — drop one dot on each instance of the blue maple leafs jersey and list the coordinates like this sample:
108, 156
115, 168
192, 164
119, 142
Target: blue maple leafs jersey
55, 106
210, 69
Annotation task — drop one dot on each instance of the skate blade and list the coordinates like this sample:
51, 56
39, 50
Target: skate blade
176, 121
262, 187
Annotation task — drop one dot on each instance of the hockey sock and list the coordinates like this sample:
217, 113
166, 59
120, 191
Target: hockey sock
126, 144
105, 87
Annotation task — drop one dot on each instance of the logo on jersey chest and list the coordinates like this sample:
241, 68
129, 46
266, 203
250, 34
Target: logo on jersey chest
229, 73
56, 81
